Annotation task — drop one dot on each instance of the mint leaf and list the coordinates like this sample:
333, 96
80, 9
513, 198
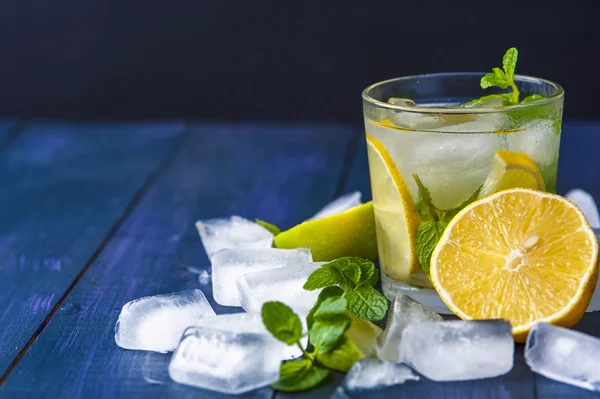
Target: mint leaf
299, 375
532, 98
450, 213
282, 322
374, 278
347, 267
322, 278
509, 63
484, 101
329, 292
330, 323
269, 226
502, 78
424, 205
367, 303
367, 269
428, 235
495, 79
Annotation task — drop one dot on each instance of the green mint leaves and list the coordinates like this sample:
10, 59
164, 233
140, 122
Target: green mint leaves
282, 322
299, 375
503, 78
428, 235
433, 222
302, 374
353, 279
330, 322
347, 287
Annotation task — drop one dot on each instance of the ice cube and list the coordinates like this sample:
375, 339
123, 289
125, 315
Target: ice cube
586, 203
403, 312
458, 350
233, 232
248, 323
564, 355
427, 297
338, 205
225, 361
451, 166
539, 140
283, 284
375, 374
155, 323
230, 264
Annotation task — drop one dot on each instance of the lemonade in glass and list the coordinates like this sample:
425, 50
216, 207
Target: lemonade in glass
433, 148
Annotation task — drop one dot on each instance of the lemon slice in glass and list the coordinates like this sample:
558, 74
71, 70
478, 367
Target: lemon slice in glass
395, 214
510, 170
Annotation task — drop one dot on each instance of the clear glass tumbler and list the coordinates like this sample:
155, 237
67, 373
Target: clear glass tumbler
419, 133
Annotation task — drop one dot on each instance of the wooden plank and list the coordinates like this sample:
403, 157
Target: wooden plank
275, 172
63, 189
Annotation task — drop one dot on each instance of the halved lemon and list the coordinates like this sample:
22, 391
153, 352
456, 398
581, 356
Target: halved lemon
510, 170
395, 214
521, 255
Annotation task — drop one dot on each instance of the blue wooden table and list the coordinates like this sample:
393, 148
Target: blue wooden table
95, 215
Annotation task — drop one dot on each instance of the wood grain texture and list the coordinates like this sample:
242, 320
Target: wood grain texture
63, 189
279, 173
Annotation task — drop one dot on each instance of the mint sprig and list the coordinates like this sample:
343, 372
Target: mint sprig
326, 333
355, 279
503, 78
433, 222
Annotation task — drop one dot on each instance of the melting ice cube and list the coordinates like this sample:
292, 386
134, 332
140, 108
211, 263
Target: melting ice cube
247, 323
564, 355
374, 374
230, 264
155, 323
403, 312
233, 232
225, 361
458, 350
283, 284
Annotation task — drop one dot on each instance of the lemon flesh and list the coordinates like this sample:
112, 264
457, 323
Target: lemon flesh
521, 255
510, 170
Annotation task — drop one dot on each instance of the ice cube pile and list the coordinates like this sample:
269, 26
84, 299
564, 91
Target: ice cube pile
234, 353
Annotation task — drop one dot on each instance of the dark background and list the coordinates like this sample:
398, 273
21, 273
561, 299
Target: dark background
274, 60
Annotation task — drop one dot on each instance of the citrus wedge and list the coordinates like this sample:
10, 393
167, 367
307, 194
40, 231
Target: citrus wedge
395, 214
348, 233
521, 255
510, 170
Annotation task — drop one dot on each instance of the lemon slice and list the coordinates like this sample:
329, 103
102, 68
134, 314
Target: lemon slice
521, 255
510, 170
395, 214
348, 233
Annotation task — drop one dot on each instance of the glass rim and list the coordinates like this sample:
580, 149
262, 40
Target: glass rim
441, 110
